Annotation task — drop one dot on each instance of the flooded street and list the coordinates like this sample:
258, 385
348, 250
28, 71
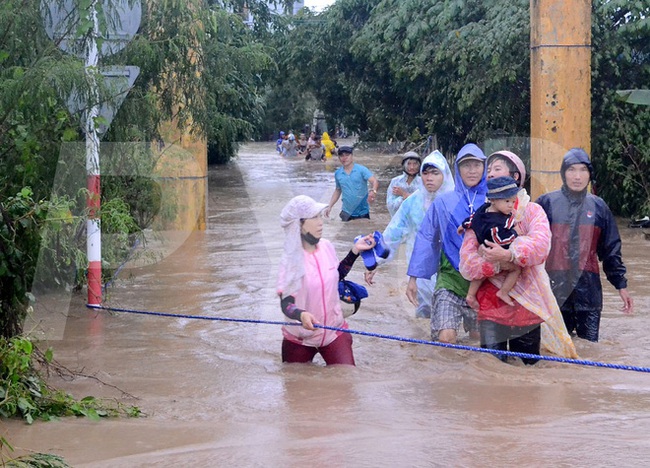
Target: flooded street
215, 393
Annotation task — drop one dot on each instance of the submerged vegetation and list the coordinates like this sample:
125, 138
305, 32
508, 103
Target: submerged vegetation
25, 394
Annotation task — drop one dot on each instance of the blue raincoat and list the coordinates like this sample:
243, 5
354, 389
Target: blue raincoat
439, 230
404, 225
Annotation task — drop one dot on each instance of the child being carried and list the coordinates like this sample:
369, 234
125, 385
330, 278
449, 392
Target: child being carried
494, 221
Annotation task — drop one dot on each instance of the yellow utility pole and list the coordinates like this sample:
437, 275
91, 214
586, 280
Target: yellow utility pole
182, 168
560, 81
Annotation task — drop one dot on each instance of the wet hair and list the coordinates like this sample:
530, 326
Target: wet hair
428, 167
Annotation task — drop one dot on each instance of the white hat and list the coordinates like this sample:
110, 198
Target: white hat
292, 267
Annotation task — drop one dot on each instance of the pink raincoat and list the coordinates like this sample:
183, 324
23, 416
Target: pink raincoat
533, 289
318, 295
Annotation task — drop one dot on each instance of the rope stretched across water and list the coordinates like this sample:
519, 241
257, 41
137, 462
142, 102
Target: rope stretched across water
581, 362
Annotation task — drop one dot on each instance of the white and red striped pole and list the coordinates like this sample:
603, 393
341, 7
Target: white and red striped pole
93, 230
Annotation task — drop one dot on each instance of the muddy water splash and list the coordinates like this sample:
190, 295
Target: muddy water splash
216, 393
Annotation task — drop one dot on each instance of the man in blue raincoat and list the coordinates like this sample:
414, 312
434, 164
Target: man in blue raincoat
437, 247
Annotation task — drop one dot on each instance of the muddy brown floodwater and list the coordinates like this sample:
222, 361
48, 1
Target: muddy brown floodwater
216, 394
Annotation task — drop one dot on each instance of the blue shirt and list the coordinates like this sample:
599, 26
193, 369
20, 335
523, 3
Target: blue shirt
354, 189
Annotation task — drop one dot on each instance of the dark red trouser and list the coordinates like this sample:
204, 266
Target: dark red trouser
338, 351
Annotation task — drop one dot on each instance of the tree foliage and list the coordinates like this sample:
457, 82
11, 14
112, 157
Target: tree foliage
33, 119
460, 70
620, 144
201, 68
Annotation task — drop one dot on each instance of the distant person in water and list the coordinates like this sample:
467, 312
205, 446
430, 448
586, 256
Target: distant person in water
329, 146
278, 143
352, 184
290, 146
315, 150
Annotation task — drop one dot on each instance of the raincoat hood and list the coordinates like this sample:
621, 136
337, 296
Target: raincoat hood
576, 156
454, 207
470, 151
437, 160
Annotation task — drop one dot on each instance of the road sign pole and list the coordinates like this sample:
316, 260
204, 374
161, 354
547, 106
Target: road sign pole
93, 230
122, 20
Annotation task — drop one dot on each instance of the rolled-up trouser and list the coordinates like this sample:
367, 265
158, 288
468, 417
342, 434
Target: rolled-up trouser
520, 339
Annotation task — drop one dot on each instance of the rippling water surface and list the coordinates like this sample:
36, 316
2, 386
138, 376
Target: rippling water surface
216, 394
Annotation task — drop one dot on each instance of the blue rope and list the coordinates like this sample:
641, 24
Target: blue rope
540, 357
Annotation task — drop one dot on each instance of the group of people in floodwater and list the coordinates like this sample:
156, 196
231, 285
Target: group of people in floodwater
482, 256
316, 147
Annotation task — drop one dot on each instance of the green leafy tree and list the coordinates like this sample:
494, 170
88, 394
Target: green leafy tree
201, 68
287, 104
315, 61
23, 220
33, 119
620, 146
460, 69
387, 67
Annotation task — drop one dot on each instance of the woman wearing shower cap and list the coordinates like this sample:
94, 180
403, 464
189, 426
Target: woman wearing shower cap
535, 320
308, 285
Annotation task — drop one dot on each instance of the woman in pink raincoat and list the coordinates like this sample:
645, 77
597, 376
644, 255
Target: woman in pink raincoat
535, 318
308, 285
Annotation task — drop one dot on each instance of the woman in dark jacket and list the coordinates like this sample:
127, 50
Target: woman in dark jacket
584, 232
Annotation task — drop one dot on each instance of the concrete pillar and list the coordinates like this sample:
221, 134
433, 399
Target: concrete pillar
560, 80
182, 169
